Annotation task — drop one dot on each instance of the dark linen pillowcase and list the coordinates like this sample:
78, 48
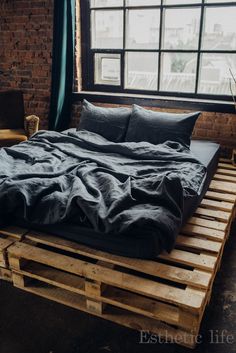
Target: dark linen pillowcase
158, 127
110, 123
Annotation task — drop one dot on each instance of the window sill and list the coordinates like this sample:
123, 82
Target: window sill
156, 101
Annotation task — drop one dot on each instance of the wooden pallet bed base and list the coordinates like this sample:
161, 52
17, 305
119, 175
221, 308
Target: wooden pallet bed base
8, 236
166, 296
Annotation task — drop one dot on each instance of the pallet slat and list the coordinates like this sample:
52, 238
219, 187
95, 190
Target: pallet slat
226, 166
201, 261
197, 243
216, 214
228, 187
224, 177
221, 196
4, 244
8, 235
208, 233
207, 223
13, 232
5, 274
217, 205
226, 171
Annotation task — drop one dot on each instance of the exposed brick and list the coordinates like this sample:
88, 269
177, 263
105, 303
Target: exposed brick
26, 30
200, 133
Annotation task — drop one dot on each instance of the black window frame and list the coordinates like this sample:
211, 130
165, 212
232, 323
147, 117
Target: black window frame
87, 54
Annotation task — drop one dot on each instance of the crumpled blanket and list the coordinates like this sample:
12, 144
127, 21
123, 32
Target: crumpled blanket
115, 188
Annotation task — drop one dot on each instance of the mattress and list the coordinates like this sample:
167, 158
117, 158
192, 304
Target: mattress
208, 154
140, 246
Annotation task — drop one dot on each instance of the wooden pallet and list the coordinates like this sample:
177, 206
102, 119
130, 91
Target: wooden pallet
8, 236
166, 296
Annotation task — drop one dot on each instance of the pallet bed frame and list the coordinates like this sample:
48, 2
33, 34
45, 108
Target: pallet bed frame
166, 296
8, 236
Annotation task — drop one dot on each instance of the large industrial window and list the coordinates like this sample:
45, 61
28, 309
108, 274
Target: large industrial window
163, 47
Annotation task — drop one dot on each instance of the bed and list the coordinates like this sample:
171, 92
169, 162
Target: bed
159, 289
207, 152
129, 198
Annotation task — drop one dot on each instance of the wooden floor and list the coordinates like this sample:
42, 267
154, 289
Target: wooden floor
167, 296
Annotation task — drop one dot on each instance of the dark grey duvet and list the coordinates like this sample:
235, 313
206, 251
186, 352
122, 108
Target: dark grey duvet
114, 188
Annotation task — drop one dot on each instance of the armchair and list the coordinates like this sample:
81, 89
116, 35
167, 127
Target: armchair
14, 126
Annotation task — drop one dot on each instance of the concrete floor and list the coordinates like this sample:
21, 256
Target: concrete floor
30, 324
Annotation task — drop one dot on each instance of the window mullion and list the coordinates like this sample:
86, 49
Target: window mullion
160, 45
122, 63
87, 64
199, 45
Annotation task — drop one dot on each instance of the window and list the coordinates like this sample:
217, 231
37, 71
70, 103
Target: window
164, 47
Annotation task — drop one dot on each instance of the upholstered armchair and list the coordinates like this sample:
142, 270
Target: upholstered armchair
14, 126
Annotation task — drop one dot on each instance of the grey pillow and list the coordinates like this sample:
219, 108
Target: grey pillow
158, 127
110, 123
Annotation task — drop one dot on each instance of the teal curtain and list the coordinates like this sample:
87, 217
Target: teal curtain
62, 64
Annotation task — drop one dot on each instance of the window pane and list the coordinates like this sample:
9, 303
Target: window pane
143, 29
106, 3
107, 29
214, 73
141, 70
219, 28
174, 2
107, 69
142, 2
178, 72
181, 28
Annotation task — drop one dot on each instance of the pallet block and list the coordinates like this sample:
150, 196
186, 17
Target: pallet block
166, 296
8, 236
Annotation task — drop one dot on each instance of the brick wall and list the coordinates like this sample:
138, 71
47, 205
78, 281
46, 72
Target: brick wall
25, 52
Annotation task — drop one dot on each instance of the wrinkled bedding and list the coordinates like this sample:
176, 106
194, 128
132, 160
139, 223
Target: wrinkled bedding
120, 189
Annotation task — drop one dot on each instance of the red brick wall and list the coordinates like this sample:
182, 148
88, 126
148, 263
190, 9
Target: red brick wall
25, 52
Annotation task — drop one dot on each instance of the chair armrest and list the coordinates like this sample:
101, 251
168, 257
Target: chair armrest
31, 124
233, 158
